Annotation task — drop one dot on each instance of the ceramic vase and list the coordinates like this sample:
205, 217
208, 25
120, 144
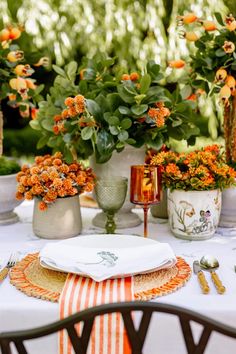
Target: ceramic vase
119, 165
228, 210
61, 220
194, 215
8, 199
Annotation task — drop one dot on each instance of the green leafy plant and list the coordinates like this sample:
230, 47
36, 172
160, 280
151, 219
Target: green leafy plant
118, 109
213, 67
15, 83
8, 167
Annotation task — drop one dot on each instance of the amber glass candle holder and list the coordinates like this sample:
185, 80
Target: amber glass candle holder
145, 188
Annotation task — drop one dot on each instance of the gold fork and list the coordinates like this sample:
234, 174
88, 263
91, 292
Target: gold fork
11, 262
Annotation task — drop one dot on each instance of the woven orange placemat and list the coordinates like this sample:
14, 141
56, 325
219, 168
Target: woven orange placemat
34, 280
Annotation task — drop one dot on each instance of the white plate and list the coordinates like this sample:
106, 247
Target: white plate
104, 256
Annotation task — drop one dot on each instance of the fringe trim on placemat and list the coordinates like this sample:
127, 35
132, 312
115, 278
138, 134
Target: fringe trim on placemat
29, 277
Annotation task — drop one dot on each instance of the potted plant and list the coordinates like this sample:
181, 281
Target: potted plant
194, 181
20, 90
214, 70
55, 187
97, 110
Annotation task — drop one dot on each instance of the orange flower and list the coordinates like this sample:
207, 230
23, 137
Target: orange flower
160, 122
221, 74
34, 179
192, 97
57, 118
44, 176
69, 101
209, 26
79, 103
4, 35
228, 47
177, 64
15, 56
73, 167
42, 206
134, 76
64, 168
15, 33
34, 113
189, 18
65, 114
72, 111
225, 93
23, 70
20, 188
67, 184
230, 23
125, 77
19, 196
230, 81
57, 183
57, 162
191, 36
28, 196
56, 129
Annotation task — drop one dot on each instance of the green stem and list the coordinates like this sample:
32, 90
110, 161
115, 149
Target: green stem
110, 223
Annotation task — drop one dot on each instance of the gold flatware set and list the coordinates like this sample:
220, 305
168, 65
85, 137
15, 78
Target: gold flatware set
210, 264
11, 262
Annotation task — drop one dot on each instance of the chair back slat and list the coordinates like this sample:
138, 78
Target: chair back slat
136, 336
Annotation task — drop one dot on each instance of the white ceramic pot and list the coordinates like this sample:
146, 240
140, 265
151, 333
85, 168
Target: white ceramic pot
61, 220
8, 199
228, 210
194, 215
119, 165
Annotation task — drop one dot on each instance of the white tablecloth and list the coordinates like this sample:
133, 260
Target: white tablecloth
17, 311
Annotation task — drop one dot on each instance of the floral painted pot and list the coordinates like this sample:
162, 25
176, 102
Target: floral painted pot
194, 215
61, 220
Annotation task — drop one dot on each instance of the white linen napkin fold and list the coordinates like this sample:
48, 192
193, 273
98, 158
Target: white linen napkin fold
104, 263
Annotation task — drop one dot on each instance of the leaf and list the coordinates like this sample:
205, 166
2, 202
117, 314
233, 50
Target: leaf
105, 142
47, 124
113, 120
54, 141
68, 155
139, 109
145, 83
131, 141
35, 124
92, 107
156, 143
186, 91
83, 87
67, 138
123, 135
219, 18
59, 70
220, 53
178, 121
126, 123
71, 70
86, 133
42, 141
125, 95
114, 130
124, 110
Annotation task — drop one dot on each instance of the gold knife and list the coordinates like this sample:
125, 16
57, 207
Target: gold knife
201, 277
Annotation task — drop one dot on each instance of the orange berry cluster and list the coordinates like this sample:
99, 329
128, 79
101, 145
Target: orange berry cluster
159, 114
203, 169
133, 77
50, 178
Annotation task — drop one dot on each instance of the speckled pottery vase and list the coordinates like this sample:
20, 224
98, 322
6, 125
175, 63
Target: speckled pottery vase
194, 215
61, 220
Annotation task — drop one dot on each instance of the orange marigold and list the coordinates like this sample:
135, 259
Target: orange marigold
57, 162
69, 101
53, 175
73, 167
64, 168
19, 196
20, 188
89, 187
34, 179
19, 175
57, 183
67, 183
28, 195
125, 77
44, 176
42, 206
34, 170
134, 76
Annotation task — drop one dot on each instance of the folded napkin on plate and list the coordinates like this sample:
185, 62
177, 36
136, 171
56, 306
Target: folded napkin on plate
104, 263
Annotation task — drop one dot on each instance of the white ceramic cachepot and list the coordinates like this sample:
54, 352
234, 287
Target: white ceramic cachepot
228, 210
194, 215
61, 220
119, 165
8, 199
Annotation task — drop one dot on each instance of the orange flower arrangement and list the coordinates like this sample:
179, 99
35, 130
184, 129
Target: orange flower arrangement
203, 169
50, 178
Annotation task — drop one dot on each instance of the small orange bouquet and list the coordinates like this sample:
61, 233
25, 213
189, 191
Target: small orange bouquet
50, 178
203, 169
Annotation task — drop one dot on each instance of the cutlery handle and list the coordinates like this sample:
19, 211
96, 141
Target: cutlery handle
4, 273
203, 283
217, 282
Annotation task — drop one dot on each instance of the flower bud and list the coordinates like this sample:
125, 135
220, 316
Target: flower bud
225, 92
189, 18
228, 47
191, 36
15, 33
18, 84
209, 26
15, 56
177, 64
230, 81
4, 35
221, 75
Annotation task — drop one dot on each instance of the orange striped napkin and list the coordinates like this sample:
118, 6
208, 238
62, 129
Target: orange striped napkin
108, 334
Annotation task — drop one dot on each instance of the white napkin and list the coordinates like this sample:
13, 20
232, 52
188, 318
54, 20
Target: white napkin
103, 263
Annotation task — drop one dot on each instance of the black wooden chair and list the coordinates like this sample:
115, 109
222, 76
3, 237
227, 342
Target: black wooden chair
136, 336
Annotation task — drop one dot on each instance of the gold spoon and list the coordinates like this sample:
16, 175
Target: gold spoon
210, 263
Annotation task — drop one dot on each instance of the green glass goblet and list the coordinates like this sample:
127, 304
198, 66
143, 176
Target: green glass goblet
110, 195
